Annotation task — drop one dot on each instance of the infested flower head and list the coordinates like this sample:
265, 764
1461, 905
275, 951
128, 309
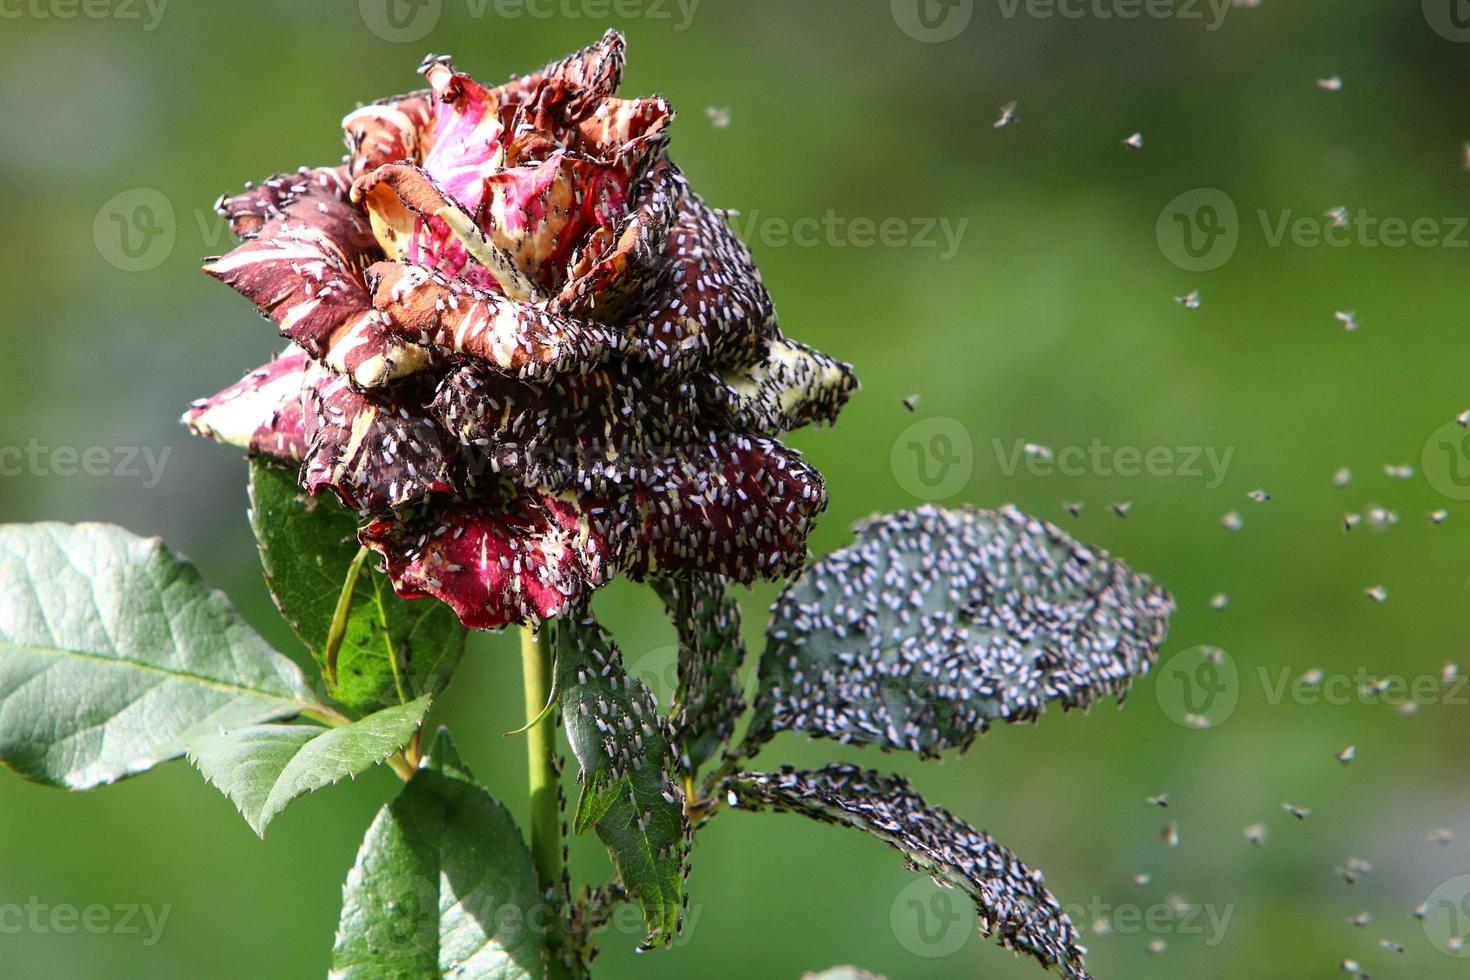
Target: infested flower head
523, 348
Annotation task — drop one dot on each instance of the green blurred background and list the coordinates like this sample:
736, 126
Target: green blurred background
1053, 323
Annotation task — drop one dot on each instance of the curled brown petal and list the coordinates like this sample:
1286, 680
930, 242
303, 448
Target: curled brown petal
261, 412
617, 271
415, 221
388, 131
304, 269
427, 307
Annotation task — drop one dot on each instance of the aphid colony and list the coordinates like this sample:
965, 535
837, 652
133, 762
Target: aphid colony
936, 623
524, 348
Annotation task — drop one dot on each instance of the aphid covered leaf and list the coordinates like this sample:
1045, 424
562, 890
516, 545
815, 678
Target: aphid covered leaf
935, 623
262, 768
708, 701
394, 649
444, 886
1012, 902
625, 751
114, 653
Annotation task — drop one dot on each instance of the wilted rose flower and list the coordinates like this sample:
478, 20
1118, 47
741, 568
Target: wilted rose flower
524, 349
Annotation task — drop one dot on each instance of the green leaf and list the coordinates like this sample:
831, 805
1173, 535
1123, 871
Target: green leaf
708, 702
262, 768
935, 623
1010, 898
624, 747
443, 886
113, 653
599, 793
394, 649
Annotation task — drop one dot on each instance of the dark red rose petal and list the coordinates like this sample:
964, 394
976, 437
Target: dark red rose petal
531, 560
541, 213
627, 132
261, 412
578, 82
375, 452
710, 308
248, 211
736, 506
617, 269
597, 433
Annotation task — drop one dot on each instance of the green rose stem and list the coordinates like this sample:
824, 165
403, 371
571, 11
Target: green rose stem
536, 668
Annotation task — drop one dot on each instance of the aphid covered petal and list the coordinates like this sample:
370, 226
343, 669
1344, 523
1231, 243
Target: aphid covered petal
261, 412
617, 268
388, 131
375, 451
737, 506
415, 221
304, 268
426, 307
710, 308
792, 386
527, 561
